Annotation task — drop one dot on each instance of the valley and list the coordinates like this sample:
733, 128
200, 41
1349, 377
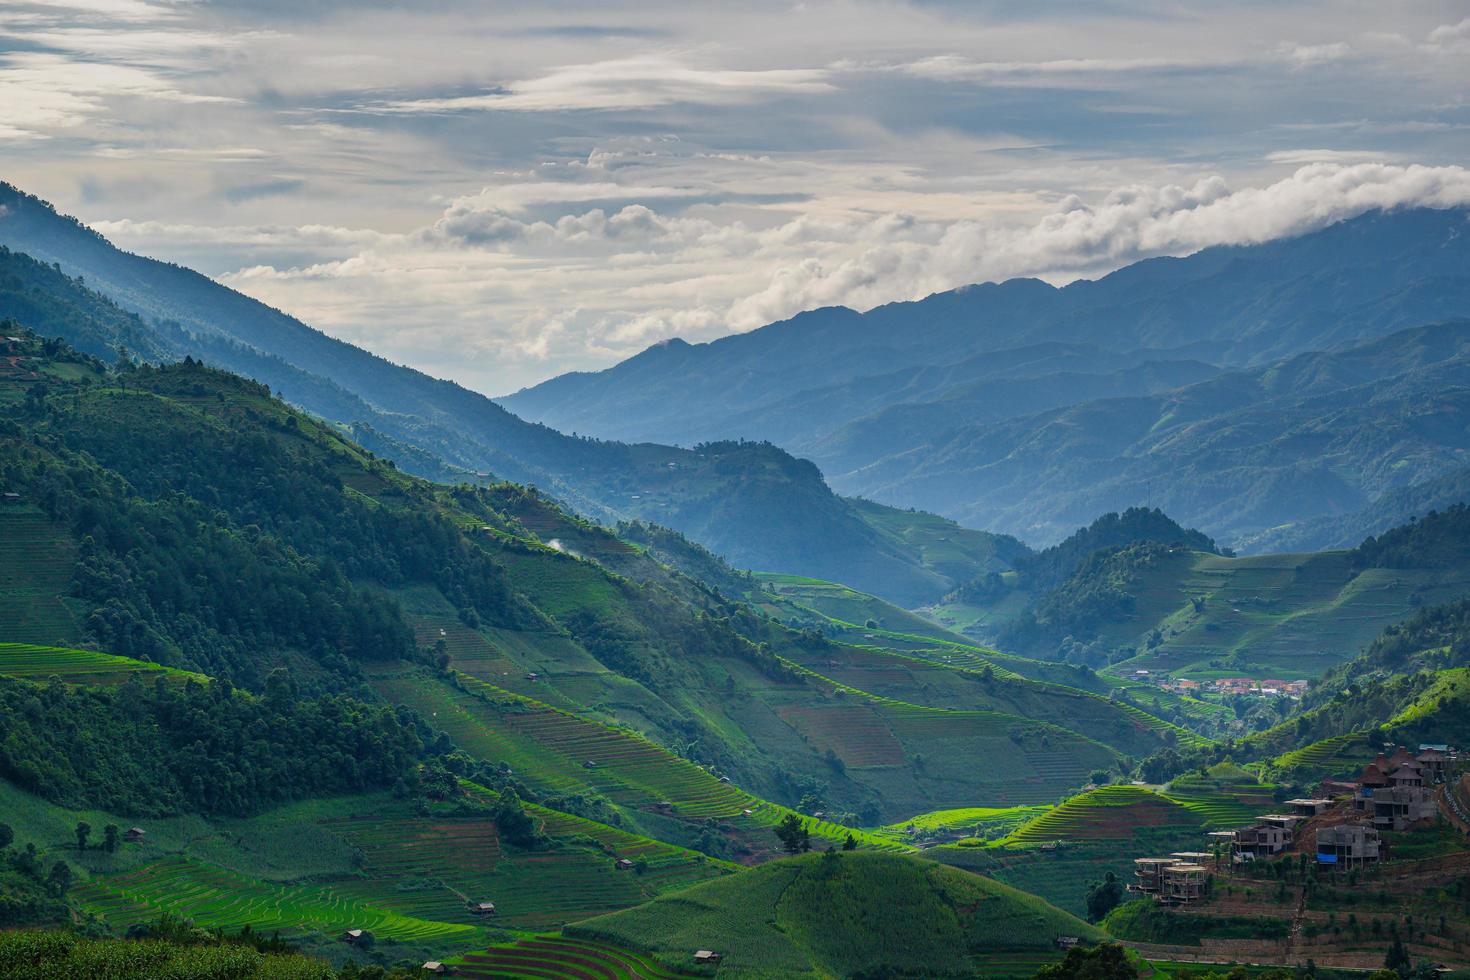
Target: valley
282, 678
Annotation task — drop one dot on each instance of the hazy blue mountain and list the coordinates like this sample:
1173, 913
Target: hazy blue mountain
1312, 436
1232, 306
1394, 508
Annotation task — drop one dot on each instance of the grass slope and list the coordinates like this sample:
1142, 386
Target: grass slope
822, 916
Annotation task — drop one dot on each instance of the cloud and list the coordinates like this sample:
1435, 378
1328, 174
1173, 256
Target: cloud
496, 197
625, 84
1452, 36
44, 93
1311, 55
1329, 156
1130, 224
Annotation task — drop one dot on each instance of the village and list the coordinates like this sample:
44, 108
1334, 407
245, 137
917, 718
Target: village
1325, 855
1344, 822
1225, 686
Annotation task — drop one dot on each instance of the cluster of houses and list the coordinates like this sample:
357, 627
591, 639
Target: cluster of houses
1269, 688
1392, 793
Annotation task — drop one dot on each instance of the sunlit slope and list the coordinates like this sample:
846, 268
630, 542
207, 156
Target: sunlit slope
822, 915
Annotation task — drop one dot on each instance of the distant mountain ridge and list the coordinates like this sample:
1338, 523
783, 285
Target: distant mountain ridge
998, 405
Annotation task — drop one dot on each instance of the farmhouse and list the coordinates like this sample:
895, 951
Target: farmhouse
483, 908
706, 956
1347, 846
436, 968
135, 835
624, 864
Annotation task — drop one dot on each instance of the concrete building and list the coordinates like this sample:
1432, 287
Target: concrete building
1148, 875
1182, 884
1308, 807
1347, 846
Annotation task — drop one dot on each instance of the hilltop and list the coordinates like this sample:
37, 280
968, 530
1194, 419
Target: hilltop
834, 914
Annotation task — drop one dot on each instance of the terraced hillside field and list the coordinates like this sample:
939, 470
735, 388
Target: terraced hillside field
916, 679
224, 899
37, 559
37, 663
559, 753
1106, 813
796, 597
557, 957
1224, 799
1327, 757
1284, 616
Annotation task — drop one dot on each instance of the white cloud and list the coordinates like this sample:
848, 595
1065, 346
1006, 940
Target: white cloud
1304, 156
625, 84
499, 195
1311, 55
43, 93
1130, 224
1451, 36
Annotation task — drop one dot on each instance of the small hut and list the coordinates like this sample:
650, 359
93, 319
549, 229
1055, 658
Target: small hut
135, 835
706, 956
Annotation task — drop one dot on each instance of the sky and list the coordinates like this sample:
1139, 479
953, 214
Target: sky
501, 192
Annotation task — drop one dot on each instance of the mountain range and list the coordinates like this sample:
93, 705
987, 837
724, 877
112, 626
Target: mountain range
968, 402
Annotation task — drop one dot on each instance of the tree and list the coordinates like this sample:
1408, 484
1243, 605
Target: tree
1397, 959
7, 836
514, 823
109, 838
1100, 776
850, 843
59, 877
793, 834
1105, 962
1103, 896
84, 830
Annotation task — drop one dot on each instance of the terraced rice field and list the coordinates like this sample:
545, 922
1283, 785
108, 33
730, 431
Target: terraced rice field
855, 732
37, 663
563, 958
1105, 813
36, 563
1330, 754
1221, 805
1031, 763
551, 749
468, 648
665, 866
217, 898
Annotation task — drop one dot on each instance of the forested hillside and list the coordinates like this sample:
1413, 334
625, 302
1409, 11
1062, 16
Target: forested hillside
749, 501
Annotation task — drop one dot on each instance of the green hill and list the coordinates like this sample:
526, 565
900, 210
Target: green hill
826, 915
1200, 615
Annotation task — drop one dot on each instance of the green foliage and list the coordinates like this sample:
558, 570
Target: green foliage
793, 834
1439, 540
1108, 961
1104, 896
135, 749
1144, 920
33, 955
